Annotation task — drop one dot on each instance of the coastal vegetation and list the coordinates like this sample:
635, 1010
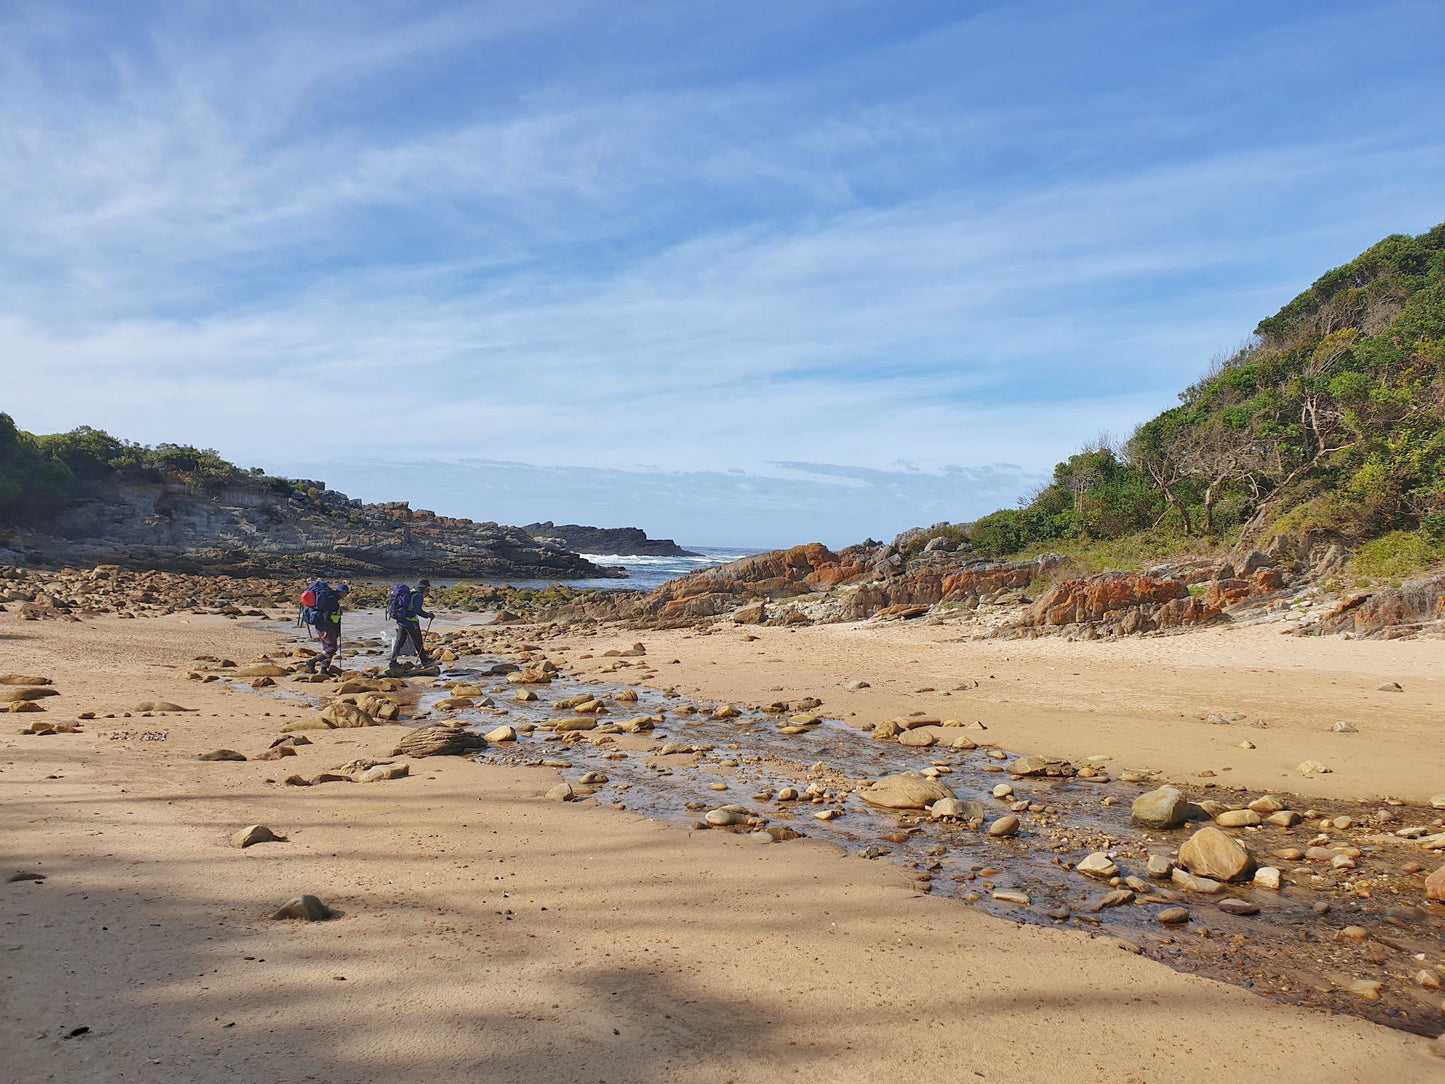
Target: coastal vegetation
1331, 415
40, 473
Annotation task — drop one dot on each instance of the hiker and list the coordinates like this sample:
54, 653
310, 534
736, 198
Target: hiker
404, 606
323, 613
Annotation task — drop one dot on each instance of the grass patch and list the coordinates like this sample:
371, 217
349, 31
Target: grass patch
1131, 553
1399, 555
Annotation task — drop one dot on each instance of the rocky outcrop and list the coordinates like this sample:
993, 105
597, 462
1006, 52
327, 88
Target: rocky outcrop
609, 541
261, 530
1113, 604
1389, 614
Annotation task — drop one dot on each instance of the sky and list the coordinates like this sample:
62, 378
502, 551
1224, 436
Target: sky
737, 273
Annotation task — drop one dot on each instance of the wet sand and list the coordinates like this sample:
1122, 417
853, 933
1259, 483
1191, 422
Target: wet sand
489, 934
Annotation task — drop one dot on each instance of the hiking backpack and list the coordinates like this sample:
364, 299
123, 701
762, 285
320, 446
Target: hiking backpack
398, 602
313, 601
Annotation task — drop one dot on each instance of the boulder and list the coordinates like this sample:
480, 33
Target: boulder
342, 715
905, 791
1163, 808
1217, 855
439, 740
1435, 885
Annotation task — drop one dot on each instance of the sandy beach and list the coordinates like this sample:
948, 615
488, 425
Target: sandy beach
486, 933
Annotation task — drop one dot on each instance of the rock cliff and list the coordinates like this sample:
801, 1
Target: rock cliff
612, 541
254, 529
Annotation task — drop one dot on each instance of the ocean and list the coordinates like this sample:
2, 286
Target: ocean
645, 573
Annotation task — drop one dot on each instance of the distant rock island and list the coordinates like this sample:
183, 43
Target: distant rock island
609, 541
86, 498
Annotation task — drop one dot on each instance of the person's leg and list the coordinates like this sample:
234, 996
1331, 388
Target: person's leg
398, 642
330, 641
416, 639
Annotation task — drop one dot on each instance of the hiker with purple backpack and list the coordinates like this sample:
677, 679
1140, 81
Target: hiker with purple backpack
405, 607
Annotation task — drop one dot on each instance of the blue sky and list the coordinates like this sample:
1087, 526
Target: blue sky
738, 273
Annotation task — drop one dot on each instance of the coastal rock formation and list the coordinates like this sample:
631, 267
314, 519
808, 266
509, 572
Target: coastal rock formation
254, 529
1112, 604
1389, 614
611, 541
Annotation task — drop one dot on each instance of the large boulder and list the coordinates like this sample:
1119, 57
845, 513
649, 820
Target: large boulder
341, 715
1213, 853
1163, 808
440, 740
905, 791
1435, 885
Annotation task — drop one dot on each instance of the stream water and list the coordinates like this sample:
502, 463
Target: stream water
1299, 947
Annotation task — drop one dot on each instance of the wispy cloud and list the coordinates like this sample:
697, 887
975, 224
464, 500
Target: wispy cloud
701, 237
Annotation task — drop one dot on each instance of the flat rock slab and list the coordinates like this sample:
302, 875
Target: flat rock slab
159, 706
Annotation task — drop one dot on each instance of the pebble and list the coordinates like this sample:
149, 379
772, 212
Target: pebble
1003, 790
1160, 866
1352, 935
825, 814
1173, 916
1234, 906
1009, 896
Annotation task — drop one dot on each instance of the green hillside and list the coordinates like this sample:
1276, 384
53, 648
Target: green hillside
1332, 415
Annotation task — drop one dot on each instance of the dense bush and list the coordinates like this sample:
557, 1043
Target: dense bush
41, 473
1332, 414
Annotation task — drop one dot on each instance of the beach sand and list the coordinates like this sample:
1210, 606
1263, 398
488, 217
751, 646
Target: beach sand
487, 934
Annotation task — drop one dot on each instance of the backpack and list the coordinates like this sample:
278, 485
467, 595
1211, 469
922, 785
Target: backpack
314, 601
398, 602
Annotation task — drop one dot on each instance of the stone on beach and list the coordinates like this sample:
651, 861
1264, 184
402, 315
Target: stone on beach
439, 740
221, 754
1166, 807
1213, 853
1004, 827
306, 908
1041, 766
256, 833
1098, 865
905, 791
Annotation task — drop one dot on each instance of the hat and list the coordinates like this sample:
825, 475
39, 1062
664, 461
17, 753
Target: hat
342, 588
423, 583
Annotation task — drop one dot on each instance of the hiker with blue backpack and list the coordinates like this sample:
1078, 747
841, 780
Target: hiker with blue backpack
321, 609
406, 607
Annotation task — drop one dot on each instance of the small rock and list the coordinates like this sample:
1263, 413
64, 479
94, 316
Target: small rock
1285, 818
1190, 883
1313, 767
1268, 877
221, 754
1160, 866
1212, 853
1266, 804
1003, 790
1344, 728
1352, 935
1163, 808
1009, 896
1238, 818
1172, 916
306, 908
1369, 989
256, 833
562, 792
1004, 826
1232, 906
501, 733
1098, 865
381, 772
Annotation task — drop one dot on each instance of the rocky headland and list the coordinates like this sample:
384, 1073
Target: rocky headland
253, 528
608, 541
